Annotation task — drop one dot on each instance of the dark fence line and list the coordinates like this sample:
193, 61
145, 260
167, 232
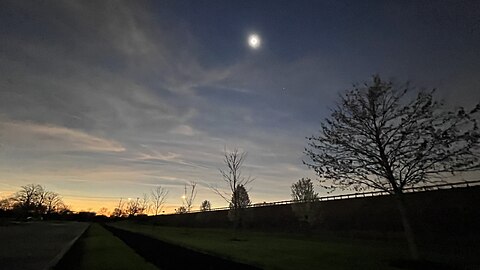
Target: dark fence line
437, 211
363, 194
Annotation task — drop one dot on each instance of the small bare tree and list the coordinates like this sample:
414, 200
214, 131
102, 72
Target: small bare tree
189, 195
303, 191
158, 196
205, 206
234, 179
145, 204
304, 196
7, 204
134, 207
102, 211
53, 202
181, 210
119, 211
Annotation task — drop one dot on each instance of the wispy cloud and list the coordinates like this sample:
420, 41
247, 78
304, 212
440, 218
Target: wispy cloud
184, 130
50, 137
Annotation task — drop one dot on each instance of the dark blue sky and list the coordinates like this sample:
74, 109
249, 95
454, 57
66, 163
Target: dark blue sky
108, 99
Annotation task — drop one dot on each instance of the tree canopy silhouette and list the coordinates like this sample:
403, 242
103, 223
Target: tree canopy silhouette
303, 191
376, 138
205, 206
34, 200
304, 196
240, 198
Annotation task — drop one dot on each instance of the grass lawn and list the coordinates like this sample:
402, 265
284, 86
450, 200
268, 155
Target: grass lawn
280, 251
99, 249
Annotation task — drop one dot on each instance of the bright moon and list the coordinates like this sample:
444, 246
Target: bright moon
254, 41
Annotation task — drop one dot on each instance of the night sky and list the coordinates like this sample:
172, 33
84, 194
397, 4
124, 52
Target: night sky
107, 99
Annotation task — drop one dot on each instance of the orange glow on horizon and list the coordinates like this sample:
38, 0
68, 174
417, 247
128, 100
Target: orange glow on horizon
81, 205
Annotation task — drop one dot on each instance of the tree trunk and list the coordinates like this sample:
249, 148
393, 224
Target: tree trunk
407, 227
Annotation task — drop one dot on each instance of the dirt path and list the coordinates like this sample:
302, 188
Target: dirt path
168, 257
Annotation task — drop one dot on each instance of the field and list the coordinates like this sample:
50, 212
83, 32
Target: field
280, 251
290, 251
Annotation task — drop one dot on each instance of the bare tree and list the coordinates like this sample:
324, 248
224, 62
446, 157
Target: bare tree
119, 211
7, 204
189, 195
29, 194
303, 191
145, 204
133, 207
34, 199
53, 202
234, 178
375, 139
304, 196
102, 211
205, 206
62, 208
29, 199
158, 196
181, 210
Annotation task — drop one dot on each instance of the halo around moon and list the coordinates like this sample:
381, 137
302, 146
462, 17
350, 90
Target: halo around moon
254, 41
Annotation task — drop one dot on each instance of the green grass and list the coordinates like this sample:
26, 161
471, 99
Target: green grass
280, 251
99, 249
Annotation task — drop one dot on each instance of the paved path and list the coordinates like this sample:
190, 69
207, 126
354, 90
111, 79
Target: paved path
34, 245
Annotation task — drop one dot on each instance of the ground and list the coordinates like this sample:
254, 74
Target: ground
98, 249
35, 245
269, 250
39, 245
280, 251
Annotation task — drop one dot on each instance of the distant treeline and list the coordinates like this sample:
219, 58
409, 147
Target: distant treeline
34, 202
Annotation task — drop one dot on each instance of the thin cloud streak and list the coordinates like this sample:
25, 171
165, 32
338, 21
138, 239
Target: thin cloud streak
50, 137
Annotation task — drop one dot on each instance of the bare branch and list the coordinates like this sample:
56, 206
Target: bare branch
158, 197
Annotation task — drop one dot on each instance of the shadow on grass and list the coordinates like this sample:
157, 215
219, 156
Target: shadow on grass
167, 256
